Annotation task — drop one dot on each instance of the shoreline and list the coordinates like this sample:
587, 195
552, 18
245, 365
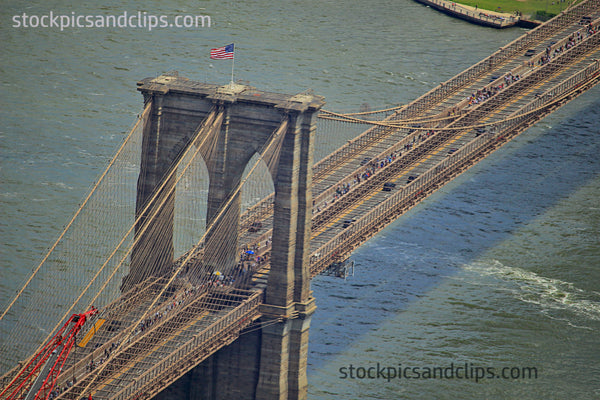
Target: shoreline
479, 16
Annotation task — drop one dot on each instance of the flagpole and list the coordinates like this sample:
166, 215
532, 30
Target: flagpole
232, 65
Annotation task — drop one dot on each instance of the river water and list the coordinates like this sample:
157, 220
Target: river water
497, 273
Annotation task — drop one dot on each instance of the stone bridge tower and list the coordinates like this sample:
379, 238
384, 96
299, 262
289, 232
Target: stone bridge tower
269, 363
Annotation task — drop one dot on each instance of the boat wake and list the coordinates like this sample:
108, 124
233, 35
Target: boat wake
555, 297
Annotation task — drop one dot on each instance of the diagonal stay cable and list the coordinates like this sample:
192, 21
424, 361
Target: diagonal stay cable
68, 226
148, 204
277, 134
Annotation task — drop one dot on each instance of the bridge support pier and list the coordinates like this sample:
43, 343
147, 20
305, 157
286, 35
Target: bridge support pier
269, 363
284, 349
284, 355
230, 373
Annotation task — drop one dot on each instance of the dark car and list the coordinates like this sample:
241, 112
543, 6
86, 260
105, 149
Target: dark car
255, 226
348, 222
388, 186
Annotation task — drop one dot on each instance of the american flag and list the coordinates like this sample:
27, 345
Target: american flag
222, 53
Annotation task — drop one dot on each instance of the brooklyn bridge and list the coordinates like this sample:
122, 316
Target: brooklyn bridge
193, 252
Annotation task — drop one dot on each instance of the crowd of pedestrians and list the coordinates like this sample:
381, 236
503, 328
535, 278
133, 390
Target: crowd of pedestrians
372, 166
250, 261
483, 94
550, 53
60, 389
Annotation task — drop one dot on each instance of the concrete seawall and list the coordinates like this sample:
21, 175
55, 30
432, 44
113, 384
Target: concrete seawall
474, 15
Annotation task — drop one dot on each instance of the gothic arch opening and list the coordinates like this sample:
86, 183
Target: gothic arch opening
258, 186
191, 199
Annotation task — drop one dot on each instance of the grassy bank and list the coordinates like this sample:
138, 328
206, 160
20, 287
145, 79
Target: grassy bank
528, 8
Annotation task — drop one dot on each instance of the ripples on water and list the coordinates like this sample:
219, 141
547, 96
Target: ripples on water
498, 268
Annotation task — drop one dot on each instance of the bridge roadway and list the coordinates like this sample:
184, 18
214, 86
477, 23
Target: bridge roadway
185, 326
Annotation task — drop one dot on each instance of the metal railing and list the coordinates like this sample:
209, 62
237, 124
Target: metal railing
445, 89
219, 333
341, 245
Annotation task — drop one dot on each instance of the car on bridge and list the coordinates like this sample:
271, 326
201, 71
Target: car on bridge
348, 222
365, 160
255, 226
388, 186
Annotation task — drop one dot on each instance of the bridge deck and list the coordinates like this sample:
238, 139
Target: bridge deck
190, 324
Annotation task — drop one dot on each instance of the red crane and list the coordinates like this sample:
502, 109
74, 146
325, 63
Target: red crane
59, 347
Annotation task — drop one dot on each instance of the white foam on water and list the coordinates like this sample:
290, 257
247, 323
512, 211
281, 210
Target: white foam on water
549, 293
